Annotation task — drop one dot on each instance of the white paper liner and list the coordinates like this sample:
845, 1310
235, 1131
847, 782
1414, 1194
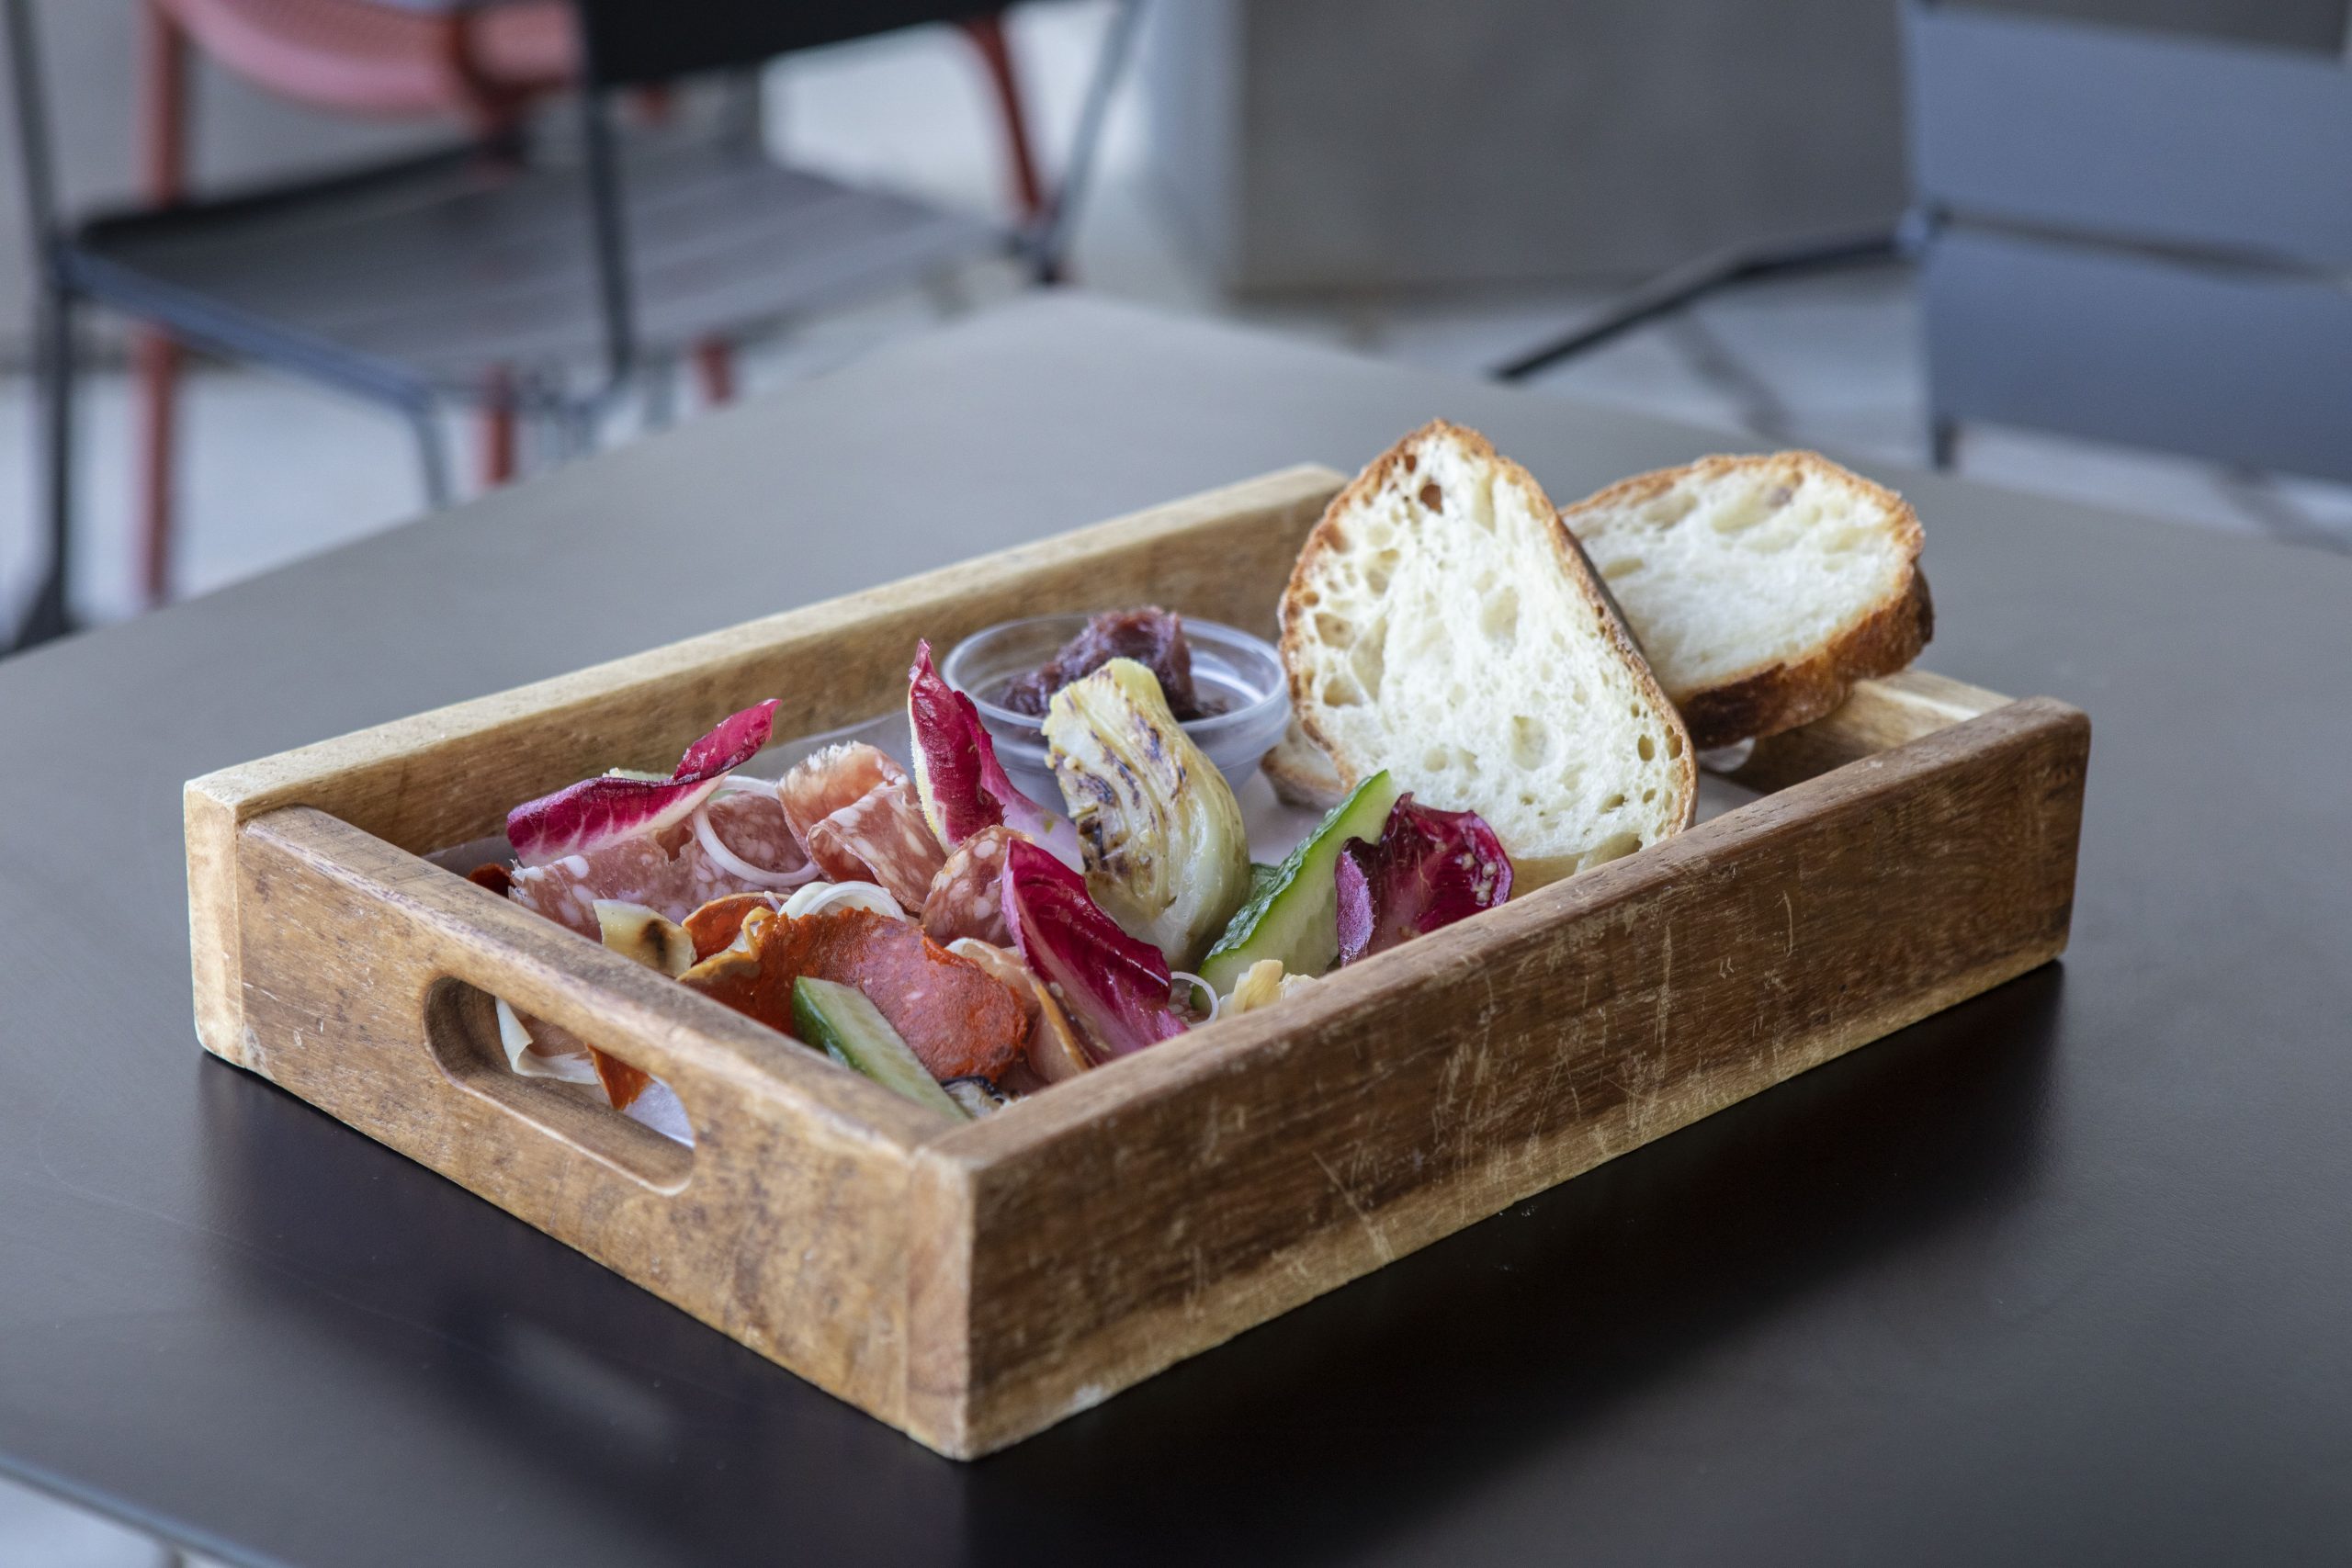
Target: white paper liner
659, 1108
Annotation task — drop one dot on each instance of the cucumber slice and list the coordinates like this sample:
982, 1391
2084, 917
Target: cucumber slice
853, 1032
1294, 915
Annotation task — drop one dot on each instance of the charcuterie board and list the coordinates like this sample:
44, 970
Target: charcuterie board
974, 1283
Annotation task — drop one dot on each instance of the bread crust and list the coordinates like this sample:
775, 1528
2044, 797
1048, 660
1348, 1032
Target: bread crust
1769, 698
1325, 538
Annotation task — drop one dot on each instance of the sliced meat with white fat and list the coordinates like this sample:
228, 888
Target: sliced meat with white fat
967, 899
881, 838
823, 782
670, 871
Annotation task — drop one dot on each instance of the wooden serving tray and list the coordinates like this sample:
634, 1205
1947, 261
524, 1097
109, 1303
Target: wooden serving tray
974, 1283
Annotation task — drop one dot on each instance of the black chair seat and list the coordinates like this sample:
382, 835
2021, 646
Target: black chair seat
428, 277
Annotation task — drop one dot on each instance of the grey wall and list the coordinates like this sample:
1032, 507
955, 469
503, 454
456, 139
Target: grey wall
1381, 143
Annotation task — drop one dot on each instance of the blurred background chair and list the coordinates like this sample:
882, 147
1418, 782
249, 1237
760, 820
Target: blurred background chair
481, 69
534, 276
2098, 235
2124, 233
2133, 236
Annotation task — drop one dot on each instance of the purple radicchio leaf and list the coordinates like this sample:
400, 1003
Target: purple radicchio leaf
613, 807
963, 788
1114, 984
1431, 868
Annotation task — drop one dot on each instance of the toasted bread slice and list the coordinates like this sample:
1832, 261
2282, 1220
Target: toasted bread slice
1761, 587
1441, 624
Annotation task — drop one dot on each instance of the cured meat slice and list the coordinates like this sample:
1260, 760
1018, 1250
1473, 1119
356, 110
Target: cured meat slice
622, 1082
750, 823
1052, 1048
960, 1021
823, 782
880, 838
714, 927
669, 871
966, 898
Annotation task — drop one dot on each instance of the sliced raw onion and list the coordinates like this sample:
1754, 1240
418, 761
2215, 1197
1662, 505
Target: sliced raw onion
1178, 978
818, 897
738, 781
758, 876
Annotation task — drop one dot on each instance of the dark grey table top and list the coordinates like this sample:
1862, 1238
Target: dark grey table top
2060, 1276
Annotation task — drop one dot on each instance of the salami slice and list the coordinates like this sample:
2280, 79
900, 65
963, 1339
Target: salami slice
966, 898
960, 1021
823, 782
668, 872
881, 838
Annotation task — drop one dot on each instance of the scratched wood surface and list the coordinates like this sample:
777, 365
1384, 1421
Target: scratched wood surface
974, 1283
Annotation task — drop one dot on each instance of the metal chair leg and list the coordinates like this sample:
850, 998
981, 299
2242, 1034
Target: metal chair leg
1050, 237
498, 429
157, 370
433, 454
162, 116
49, 617
1681, 286
714, 369
1944, 442
986, 34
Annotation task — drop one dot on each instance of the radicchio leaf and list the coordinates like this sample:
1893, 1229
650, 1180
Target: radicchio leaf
603, 810
1429, 869
1116, 984
963, 788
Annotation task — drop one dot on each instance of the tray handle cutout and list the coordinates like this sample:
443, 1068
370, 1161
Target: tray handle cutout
379, 1008
461, 1031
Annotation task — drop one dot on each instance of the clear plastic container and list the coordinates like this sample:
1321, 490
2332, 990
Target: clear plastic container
1244, 670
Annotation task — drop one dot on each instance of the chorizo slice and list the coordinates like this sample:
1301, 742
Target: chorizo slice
1052, 1048
958, 1019
715, 926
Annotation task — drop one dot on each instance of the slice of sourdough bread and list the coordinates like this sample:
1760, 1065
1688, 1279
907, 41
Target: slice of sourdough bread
1761, 587
1443, 624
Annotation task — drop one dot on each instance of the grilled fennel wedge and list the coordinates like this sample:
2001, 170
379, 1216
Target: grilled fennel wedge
1166, 853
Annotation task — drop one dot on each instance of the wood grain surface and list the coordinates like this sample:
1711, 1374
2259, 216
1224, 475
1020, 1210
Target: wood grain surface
973, 1283
1165, 1202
